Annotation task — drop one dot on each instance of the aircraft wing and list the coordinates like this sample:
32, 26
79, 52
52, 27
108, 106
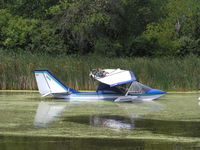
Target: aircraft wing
113, 77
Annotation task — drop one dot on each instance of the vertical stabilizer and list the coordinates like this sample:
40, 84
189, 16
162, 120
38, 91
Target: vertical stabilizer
48, 84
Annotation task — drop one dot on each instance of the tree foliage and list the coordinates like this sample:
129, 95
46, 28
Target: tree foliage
178, 33
102, 27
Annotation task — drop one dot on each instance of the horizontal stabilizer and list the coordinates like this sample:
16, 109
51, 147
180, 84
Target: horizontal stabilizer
46, 94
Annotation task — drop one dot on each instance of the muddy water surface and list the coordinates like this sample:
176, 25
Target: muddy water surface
31, 122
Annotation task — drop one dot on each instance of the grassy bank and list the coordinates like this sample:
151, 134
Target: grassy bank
16, 71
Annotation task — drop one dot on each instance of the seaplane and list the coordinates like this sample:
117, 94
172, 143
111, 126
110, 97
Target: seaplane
115, 85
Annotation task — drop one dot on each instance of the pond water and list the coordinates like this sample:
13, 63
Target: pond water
31, 122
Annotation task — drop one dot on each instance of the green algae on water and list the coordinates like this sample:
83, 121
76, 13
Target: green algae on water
173, 118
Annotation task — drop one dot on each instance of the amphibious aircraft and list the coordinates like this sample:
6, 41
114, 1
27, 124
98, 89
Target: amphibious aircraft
114, 85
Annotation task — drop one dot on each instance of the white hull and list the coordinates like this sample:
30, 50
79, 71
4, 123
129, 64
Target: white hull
149, 97
79, 97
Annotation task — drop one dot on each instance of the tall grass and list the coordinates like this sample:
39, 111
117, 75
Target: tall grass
16, 70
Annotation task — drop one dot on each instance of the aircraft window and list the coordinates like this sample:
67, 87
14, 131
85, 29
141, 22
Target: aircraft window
137, 87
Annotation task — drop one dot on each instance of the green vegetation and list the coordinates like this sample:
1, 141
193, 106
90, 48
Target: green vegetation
70, 37
107, 27
158, 121
167, 73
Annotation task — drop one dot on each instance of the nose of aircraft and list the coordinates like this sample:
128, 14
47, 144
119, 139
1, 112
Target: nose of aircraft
155, 91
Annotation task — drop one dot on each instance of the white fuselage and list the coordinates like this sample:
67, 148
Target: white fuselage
107, 97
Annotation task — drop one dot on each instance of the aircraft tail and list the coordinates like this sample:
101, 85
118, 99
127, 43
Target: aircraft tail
48, 84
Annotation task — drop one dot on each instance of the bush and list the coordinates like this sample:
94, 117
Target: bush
189, 46
19, 34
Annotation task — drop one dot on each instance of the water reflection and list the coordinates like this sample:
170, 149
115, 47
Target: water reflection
114, 122
132, 112
176, 127
137, 109
46, 113
111, 121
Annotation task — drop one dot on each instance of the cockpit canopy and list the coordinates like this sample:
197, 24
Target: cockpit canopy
137, 87
117, 81
131, 88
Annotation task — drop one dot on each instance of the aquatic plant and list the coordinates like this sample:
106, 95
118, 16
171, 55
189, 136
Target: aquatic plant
168, 73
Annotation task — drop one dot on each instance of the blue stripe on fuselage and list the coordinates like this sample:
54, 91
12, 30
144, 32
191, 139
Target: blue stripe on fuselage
95, 94
92, 94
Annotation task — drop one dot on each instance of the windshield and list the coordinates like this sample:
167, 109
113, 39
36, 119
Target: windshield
137, 87
123, 87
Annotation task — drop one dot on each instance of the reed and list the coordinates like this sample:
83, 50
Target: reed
180, 74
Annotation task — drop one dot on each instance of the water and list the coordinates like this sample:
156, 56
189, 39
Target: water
30, 122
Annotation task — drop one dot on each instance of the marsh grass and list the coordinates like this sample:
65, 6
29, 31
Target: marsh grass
16, 70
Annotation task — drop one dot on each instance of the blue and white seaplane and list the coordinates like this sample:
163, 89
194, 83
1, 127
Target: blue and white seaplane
114, 85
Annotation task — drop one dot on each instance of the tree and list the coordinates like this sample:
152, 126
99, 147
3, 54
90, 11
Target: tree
177, 33
19, 34
102, 27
